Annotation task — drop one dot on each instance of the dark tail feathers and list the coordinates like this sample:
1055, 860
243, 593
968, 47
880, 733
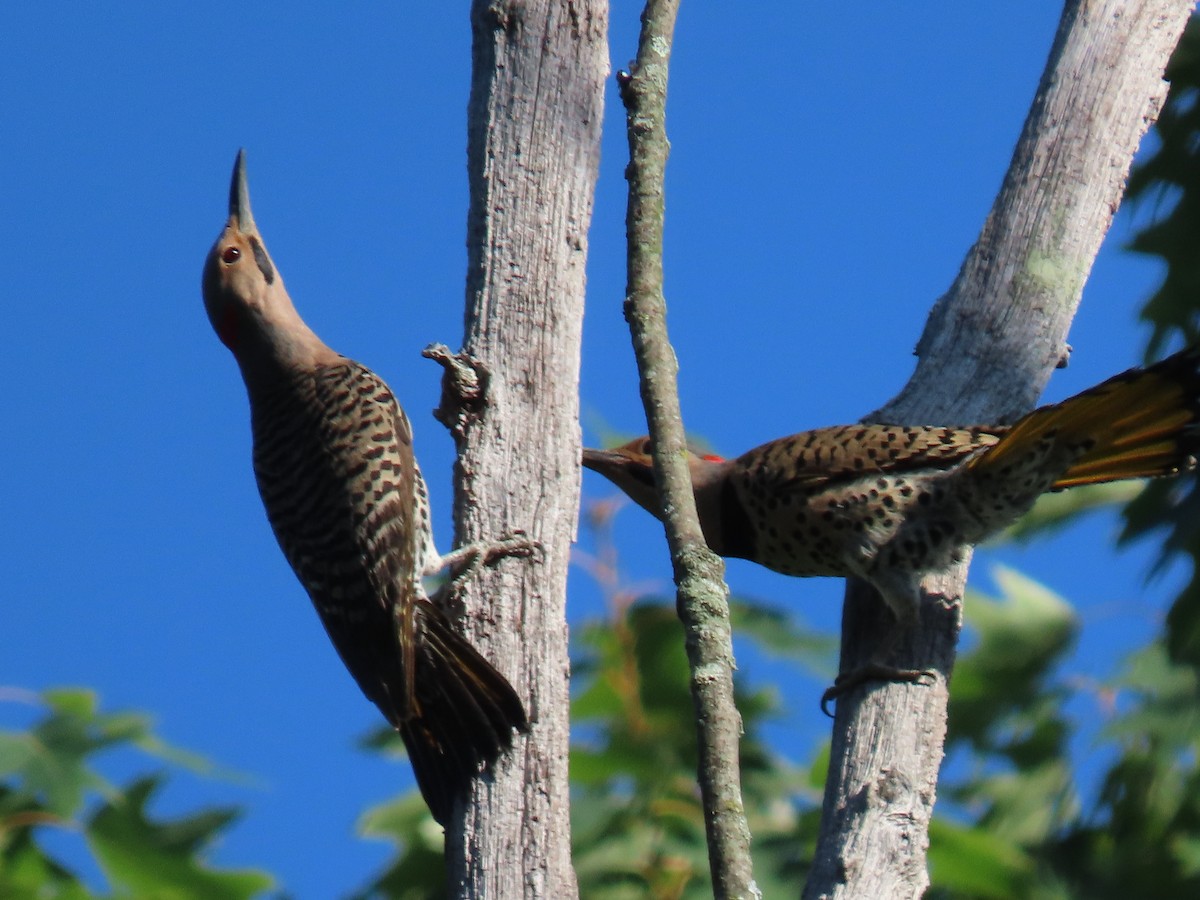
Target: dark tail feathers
465, 713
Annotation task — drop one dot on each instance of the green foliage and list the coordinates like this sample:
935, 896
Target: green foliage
49, 779
1011, 824
417, 871
1144, 833
1053, 512
1170, 178
1008, 732
163, 858
1002, 701
637, 819
637, 822
966, 861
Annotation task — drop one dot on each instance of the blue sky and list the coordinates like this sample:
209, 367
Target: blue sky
831, 165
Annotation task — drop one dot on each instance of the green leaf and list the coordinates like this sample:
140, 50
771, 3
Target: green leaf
1187, 851
1053, 512
79, 703
50, 775
995, 691
971, 862
29, 873
776, 631
417, 870
162, 859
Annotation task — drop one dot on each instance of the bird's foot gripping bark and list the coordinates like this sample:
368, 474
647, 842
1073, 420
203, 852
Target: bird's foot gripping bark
464, 562
901, 592
873, 671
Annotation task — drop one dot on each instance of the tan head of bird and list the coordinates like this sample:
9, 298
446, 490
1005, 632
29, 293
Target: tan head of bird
244, 296
630, 467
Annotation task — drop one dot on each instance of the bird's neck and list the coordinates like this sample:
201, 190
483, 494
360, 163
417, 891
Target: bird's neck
275, 344
708, 484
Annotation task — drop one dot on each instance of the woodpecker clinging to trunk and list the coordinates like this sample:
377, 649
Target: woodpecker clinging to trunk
334, 462
888, 503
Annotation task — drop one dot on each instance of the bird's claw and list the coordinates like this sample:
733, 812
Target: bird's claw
847, 681
465, 561
514, 544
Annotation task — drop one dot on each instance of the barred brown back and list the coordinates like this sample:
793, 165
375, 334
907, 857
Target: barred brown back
333, 459
334, 462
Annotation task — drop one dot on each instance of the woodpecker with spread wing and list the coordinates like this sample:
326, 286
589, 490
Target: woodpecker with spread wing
333, 458
888, 503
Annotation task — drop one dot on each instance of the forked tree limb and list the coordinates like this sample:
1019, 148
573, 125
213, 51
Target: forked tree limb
986, 354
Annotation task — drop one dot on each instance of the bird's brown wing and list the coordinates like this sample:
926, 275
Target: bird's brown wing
810, 459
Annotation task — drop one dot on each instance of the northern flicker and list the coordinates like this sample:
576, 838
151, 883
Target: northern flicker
334, 463
888, 503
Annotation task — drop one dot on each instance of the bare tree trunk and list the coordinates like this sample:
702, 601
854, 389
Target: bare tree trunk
534, 120
988, 349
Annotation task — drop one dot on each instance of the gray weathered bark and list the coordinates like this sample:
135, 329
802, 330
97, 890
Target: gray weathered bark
534, 119
986, 354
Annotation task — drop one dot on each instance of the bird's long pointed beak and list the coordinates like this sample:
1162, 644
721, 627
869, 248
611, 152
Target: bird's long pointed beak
239, 196
602, 461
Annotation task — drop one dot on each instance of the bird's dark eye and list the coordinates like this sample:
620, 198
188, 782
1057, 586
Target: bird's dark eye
230, 255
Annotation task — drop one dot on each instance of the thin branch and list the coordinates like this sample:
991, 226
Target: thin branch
702, 596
